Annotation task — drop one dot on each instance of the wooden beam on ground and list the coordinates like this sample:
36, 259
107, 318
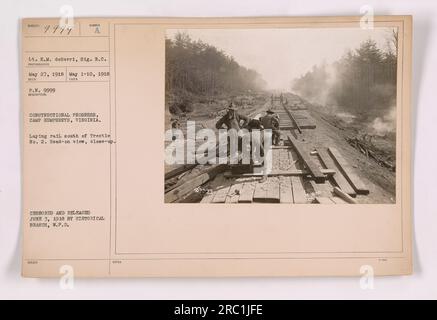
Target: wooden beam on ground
304, 154
344, 196
324, 200
299, 194
234, 193
307, 125
194, 196
273, 190
179, 170
207, 198
348, 172
246, 194
302, 126
286, 173
322, 189
267, 191
338, 200
221, 195
260, 191
187, 187
339, 178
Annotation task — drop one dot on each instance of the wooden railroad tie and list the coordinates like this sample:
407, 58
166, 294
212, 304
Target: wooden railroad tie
349, 173
304, 153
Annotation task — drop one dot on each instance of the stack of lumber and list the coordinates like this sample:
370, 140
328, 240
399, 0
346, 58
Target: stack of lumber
182, 190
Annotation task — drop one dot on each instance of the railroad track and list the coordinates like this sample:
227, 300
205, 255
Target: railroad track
300, 174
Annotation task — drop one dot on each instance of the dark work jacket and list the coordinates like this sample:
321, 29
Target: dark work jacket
270, 121
233, 123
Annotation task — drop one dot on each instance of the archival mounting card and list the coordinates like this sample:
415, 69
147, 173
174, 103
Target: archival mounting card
216, 146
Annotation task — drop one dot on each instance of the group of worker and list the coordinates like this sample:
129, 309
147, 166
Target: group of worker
233, 120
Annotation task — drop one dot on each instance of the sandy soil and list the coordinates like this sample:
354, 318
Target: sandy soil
381, 181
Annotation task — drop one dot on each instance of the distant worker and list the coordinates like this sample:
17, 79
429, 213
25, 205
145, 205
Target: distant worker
271, 121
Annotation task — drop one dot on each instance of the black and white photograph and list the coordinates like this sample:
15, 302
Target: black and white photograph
286, 115
218, 155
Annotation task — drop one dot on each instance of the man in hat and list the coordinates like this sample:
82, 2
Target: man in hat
232, 119
271, 121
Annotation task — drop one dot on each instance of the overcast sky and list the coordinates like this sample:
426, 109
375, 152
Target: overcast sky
280, 55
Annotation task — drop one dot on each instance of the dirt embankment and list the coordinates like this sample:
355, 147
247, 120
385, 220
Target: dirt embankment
332, 132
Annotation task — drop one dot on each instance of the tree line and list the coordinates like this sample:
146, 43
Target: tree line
199, 68
363, 81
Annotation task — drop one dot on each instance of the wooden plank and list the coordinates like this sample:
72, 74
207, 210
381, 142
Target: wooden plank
260, 192
185, 188
338, 177
344, 196
246, 194
286, 191
188, 186
273, 190
267, 191
299, 194
322, 189
221, 195
348, 172
289, 172
186, 176
287, 127
179, 170
303, 126
207, 198
338, 200
307, 125
304, 154
293, 160
324, 200
234, 193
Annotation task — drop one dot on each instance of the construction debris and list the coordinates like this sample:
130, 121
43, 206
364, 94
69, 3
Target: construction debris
370, 151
